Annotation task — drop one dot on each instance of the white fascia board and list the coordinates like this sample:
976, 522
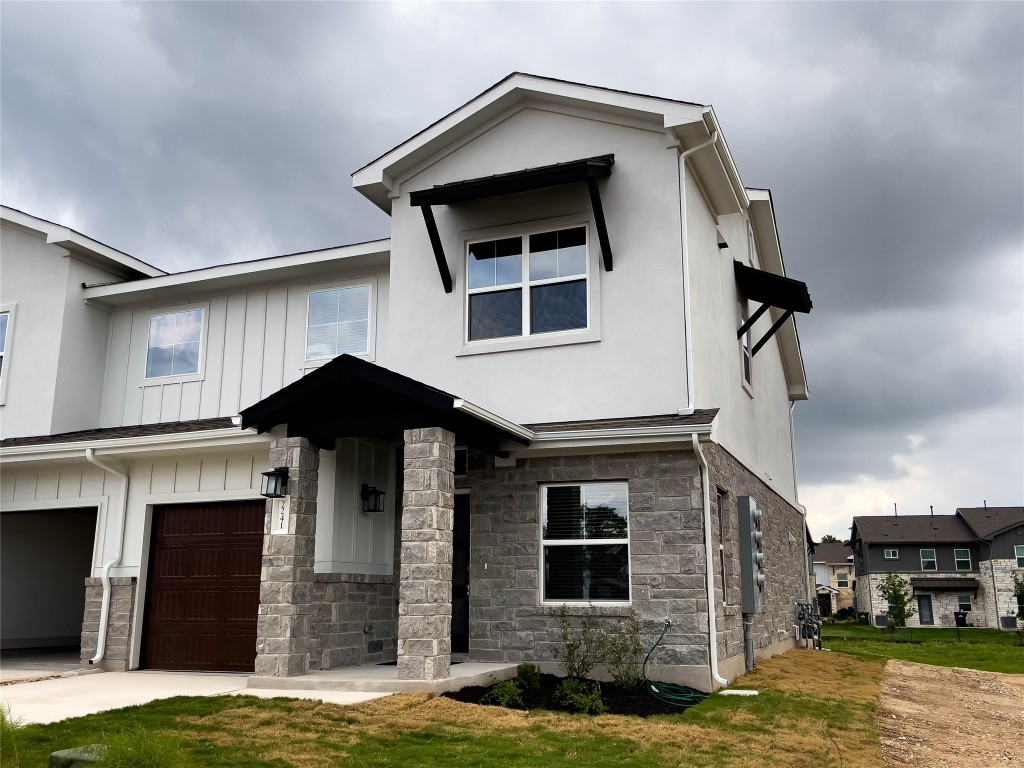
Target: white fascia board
375, 180
725, 157
713, 166
242, 273
612, 440
101, 255
139, 447
461, 404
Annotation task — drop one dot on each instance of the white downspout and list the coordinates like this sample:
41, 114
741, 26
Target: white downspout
705, 481
101, 640
687, 333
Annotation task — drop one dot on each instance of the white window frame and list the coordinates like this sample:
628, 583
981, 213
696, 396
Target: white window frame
934, 559
582, 542
174, 378
957, 559
1018, 549
10, 311
891, 554
745, 346
340, 285
526, 340
840, 577
961, 603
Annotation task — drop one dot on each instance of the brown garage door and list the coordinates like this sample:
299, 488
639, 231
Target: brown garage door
203, 590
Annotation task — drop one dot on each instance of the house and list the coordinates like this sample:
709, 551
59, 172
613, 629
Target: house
960, 563
833, 577
566, 379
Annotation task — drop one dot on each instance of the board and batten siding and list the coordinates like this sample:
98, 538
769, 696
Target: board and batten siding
254, 343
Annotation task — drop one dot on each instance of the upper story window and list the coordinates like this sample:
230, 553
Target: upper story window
528, 284
842, 579
174, 344
746, 358
4, 317
585, 543
1018, 552
6, 327
928, 562
338, 322
963, 559
891, 554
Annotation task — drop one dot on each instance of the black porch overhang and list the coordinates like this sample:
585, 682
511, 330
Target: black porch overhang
772, 291
945, 585
349, 397
588, 170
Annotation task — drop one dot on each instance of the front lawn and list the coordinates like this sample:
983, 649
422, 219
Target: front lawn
814, 709
989, 650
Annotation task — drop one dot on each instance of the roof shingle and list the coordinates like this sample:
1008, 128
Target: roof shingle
913, 528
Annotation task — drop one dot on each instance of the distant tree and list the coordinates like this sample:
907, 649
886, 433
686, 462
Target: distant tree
828, 538
896, 590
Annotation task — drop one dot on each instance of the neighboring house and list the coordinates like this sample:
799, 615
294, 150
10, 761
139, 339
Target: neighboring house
833, 577
954, 563
558, 383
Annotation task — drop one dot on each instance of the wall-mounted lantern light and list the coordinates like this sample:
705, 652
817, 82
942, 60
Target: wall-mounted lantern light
373, 499
275, 483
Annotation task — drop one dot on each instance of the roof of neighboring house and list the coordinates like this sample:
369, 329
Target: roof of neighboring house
832, 552
913, 528
114, 433
988, 521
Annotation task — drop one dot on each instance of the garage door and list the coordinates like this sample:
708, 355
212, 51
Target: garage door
203, 590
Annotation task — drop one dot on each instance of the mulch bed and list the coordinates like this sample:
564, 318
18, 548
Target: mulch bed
619, 701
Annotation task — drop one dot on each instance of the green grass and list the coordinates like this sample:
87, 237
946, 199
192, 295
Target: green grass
989, 650
799, 714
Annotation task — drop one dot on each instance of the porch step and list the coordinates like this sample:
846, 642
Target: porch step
381, 679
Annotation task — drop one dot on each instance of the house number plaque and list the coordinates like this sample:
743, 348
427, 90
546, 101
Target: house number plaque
279, 523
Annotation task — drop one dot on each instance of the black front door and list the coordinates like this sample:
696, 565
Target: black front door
924, 609
460, 575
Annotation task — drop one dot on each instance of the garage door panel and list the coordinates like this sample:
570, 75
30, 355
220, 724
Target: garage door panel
203, 588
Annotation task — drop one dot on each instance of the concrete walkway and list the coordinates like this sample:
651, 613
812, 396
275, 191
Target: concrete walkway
47, 701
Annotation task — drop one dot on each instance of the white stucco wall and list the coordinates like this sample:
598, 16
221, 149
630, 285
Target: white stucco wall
637, 367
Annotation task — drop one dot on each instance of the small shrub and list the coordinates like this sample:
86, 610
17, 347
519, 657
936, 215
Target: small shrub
505, 693
582, 696
624, 653
9, 727
138, 747
581, 648
528, 676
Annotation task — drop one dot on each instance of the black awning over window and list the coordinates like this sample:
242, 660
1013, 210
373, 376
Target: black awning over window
772, 291
588, 170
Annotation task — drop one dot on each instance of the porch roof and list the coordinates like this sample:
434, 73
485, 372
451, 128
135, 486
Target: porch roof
945, 585
349, 397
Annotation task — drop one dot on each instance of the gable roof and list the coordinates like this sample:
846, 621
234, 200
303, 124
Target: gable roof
988, 521
930, 529
85, 248
690, 123
831, 552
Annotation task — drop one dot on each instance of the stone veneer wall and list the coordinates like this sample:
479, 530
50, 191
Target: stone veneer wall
1000, 571
119, 626
785, 560
355, 620
507, 622
943, 603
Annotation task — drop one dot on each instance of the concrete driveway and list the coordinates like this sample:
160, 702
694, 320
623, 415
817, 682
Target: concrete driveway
47, 701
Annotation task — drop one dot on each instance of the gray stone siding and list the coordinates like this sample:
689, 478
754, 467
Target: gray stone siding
999, 600
355, 620
944, 603
116, 657
785, 558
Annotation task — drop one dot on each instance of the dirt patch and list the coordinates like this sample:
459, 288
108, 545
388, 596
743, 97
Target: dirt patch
935, 717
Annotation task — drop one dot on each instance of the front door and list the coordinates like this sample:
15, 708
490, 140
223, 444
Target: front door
924, 609
460, 575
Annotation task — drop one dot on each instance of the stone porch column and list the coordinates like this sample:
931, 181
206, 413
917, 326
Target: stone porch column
284, 635
425, 577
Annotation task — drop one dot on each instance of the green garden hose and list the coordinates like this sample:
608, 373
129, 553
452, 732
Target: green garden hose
677, 695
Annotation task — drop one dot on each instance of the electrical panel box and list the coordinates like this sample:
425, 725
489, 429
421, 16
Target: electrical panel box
751, 555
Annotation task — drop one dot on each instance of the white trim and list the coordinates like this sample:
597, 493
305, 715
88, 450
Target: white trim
579, 440
10, 310
461, 404
957, 560
178, 378
934, 558
369, 353
885, 554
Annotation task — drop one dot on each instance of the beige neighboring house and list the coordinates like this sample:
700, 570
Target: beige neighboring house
833, 576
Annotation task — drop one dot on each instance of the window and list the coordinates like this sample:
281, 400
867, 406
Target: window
891, 554
338, 322
963, 559
526, 285
964, 601
585, 543
1018, 551
174, 343
928, 560
4, 316
745, 356
842, 579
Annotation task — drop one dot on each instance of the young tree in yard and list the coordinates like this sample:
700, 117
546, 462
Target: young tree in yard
896, 590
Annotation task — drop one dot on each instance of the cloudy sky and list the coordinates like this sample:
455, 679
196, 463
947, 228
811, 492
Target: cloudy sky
891, 135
